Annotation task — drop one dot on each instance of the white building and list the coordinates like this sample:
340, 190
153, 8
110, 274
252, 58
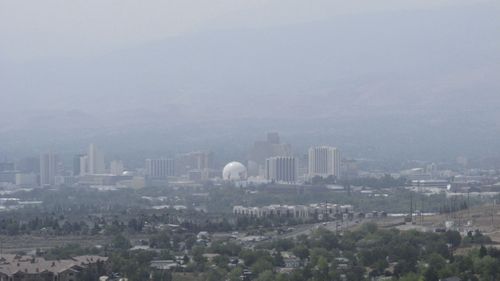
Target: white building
160, 168
281, 169
96, 161
234, 171
324, 161
48, 169
296, 211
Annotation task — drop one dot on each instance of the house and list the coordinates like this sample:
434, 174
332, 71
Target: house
210, 257
24, 268
167, 265
290, 260
164, 264
246, 275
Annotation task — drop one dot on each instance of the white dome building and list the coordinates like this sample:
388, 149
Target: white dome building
234, 171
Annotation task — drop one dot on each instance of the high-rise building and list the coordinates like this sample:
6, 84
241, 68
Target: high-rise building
281, 169
197, 160
48, 169
263, 149
160, 168
96, 161
84, 165
324, 161
77, 164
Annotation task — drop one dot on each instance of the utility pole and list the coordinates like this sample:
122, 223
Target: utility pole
468, 204
411, 208
422, 210
326, 210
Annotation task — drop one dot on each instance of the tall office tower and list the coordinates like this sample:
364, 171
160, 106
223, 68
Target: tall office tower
116, 167
48, 167
96, 161
263, 149
198, 160
324, 161
281, 169
205, 160
160, 168
84, 165
77, 164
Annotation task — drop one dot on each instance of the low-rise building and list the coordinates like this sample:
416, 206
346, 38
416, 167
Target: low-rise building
296, 211
26, 268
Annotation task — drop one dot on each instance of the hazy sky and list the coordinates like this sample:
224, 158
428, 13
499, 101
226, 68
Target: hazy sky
34, 29
115, 71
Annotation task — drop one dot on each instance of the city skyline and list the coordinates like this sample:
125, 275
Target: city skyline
269, 140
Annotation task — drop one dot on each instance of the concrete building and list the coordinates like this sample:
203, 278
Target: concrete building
26, 180
297, 211
96, 164
197, 160
322, 210
48, 169
263, 149
77, 168
324, 161
160, 168
281, 169
84, 165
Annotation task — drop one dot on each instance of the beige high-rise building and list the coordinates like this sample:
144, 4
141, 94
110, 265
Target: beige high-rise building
324, 161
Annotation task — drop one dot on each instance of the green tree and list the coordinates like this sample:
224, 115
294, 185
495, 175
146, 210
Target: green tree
482, 251
261, 265
431, 274
121, 242
301, 251
266, 275
454, 238
410, 277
